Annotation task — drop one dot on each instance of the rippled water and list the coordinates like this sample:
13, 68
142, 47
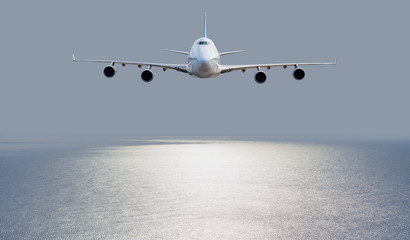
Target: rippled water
203, 189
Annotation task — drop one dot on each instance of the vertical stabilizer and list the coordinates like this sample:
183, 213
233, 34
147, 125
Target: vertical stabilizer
205, 35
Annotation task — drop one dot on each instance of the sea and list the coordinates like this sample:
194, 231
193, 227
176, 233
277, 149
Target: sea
205, 188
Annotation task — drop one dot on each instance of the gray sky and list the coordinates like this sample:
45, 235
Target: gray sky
43, 93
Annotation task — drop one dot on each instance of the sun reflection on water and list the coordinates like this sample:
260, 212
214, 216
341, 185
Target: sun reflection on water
207, 186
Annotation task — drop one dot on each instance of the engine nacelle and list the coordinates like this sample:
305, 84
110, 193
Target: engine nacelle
260, 77
298, 74
109, 71
147, 75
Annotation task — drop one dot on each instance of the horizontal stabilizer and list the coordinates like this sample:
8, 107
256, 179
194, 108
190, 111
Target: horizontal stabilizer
232, 52
176, 51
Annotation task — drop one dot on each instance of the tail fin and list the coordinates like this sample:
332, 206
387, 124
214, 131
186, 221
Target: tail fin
205, 35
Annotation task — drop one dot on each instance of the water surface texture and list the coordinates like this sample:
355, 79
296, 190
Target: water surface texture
205, 189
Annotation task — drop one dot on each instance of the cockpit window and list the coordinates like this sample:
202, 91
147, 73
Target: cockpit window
203, 43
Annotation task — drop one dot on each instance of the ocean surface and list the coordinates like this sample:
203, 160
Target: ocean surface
205, 189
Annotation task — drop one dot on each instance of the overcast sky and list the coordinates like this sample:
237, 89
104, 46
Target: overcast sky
43, 93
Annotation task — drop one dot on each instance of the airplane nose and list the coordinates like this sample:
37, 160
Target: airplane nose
205, 66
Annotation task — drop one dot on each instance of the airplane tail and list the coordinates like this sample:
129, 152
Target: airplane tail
205, 34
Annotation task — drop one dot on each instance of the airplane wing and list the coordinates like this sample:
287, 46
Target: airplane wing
230, 68
177, 67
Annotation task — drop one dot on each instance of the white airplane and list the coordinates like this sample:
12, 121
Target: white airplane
203, 62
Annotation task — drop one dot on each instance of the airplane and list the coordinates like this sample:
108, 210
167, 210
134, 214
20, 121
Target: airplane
204, 61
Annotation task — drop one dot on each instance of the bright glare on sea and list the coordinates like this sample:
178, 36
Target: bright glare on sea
205, 189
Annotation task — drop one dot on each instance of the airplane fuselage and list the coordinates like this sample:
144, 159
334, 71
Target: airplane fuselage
204, 59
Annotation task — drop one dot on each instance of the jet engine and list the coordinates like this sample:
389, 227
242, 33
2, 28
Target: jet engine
147, 75
260, 77
109, 71
298, 74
